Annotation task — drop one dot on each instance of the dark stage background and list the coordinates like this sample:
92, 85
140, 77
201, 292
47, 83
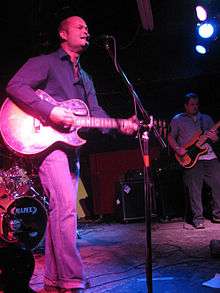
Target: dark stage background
161, 64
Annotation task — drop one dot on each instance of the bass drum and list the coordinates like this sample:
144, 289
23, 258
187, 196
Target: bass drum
22, 220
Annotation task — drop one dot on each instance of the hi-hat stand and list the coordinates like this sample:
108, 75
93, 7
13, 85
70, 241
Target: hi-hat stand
143, 134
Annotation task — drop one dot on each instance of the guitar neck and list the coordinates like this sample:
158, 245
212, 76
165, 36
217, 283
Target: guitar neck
216, 126
203, 138
80, 108
94, 122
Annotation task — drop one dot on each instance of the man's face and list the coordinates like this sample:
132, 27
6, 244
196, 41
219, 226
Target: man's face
75, 34
192, 107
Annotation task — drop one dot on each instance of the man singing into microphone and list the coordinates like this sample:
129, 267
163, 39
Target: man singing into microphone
60, 75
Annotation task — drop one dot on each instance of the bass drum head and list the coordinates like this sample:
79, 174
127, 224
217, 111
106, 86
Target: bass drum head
24, 222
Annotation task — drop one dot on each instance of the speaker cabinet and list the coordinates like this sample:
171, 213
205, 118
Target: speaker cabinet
106, 170
170, 194
130, 201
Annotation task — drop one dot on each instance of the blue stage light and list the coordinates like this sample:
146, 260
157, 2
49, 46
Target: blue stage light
201, 13
206, 30
201, 49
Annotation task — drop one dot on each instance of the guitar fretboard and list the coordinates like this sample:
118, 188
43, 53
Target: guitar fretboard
94, 122
78, 106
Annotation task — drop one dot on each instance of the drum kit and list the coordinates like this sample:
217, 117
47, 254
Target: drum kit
23, 210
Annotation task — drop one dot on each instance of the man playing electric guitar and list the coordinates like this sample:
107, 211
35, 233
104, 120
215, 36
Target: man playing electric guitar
189, 137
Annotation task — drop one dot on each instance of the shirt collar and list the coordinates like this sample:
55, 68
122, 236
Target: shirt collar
63, 55
198, 115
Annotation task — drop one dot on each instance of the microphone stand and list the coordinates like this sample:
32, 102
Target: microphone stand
147, 125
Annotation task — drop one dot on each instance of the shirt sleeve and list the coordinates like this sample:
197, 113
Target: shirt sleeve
209, 121
21, 88
174, 128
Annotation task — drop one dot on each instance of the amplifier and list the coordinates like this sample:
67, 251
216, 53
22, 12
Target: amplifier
130, 200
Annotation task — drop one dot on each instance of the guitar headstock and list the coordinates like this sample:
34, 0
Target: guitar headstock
162, 126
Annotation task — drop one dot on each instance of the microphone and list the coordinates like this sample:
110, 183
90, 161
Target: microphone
101, 37
105, 37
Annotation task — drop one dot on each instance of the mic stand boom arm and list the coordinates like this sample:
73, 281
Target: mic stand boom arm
136, 99
144, 145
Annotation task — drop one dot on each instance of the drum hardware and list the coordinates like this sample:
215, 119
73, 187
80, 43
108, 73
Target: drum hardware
43, 198
34, 191
15, 194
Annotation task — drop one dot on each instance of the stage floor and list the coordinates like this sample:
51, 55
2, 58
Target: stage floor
114, 257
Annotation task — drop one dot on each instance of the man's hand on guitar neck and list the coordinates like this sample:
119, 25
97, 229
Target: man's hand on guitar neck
130, 126
212, 134
181, 151
61, 116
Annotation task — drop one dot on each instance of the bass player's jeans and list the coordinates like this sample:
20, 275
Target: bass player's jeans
208, 171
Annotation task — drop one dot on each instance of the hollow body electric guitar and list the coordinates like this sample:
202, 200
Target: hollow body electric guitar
195, 148
26, 135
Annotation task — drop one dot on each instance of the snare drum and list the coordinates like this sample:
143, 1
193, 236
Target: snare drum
22, 220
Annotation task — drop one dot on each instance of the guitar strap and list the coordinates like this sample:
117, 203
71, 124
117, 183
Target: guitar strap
201, 122
80, 87
85, 93
202, 128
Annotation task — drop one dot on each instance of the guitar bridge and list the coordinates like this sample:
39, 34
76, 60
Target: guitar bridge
36, 123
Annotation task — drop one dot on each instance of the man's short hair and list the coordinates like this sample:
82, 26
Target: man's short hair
189, 96
63, 24
62, 27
